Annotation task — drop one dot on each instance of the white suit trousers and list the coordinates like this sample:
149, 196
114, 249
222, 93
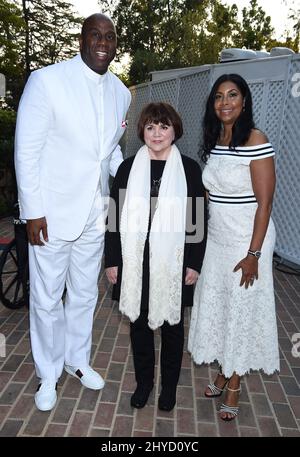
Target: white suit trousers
62, 332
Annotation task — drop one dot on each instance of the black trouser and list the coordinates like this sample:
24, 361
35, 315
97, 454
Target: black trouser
142, 340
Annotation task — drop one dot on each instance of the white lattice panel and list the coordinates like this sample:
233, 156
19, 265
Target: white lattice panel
257, 92
192, 96
140, 97
286, 211
273, 116
165, 91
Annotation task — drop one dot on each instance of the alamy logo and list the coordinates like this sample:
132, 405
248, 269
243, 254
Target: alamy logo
296, 345
2, 85
2, 345
178, 215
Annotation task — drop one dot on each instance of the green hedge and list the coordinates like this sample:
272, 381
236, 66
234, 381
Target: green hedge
7, 175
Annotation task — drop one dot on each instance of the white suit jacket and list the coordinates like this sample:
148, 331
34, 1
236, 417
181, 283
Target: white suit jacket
57, 160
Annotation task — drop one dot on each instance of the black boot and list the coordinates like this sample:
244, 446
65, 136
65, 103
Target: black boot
167, 398
140, 396
170, 361
142, 341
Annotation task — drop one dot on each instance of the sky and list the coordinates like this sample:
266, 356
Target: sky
277, 9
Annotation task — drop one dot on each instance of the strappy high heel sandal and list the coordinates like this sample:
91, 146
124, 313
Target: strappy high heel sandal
233, 410
216, 391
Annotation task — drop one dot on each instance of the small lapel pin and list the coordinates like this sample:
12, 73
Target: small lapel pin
124, 123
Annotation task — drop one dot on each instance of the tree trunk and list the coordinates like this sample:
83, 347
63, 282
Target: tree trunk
27, 50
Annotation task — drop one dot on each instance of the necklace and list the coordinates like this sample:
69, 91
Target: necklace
155, 187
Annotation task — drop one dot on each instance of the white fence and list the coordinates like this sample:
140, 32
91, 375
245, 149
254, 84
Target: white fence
275, 87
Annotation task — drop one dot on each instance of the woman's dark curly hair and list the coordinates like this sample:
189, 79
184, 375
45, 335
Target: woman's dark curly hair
212, 125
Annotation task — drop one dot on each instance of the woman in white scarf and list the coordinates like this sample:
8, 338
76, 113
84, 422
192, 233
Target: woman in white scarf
147, 255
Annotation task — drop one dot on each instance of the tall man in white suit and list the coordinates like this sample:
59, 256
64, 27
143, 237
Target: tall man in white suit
70, 120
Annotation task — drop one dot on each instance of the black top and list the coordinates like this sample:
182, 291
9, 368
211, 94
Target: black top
157, 168
156, 172
193, 251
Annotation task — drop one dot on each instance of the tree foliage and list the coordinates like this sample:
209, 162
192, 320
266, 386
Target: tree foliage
294, 40
162, 34
7, 181
256, 29
12, 32
33, 34
50, 32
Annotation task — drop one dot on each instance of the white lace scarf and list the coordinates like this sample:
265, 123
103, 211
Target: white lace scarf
166, 240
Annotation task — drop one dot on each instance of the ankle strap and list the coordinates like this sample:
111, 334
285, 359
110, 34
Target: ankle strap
234, 390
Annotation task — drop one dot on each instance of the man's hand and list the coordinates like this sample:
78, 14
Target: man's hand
34, 228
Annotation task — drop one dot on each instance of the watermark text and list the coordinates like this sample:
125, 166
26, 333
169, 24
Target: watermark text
2, 345
296, 85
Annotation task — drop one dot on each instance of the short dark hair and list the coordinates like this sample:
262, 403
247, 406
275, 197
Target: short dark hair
212, 125
160, 112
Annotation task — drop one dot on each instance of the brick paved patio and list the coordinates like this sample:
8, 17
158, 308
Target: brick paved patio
270, 405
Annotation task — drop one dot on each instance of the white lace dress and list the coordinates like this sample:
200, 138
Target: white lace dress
231, 324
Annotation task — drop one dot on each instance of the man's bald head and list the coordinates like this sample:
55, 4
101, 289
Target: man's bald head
98, 42
92, 18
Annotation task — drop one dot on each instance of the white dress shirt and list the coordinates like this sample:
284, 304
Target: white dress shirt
102, 96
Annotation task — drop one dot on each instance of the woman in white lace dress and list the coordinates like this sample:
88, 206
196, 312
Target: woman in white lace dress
233, 318
149, 257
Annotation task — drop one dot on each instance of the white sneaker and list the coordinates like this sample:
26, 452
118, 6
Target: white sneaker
45, 397
88, 377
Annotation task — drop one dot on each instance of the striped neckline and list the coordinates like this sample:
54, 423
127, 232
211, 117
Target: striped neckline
265, 149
